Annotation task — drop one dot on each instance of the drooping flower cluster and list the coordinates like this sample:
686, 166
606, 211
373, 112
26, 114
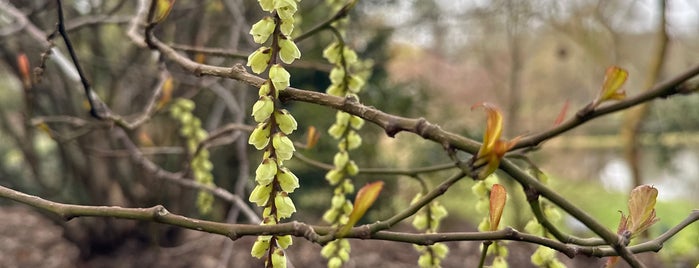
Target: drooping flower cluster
344, 83
274, 180
543, 256
190, 128
428, 219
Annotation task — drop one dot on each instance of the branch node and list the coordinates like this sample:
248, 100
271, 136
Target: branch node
392, 128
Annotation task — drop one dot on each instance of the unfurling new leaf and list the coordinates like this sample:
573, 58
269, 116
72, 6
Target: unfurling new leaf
365, 198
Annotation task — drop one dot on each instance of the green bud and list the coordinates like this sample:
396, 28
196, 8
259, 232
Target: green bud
260, 136
356, 122
261, 30
425, 260
266, 171
287, 180
420, 221
287, 26
342, 118
262, 109
332, 53
533, 227
355, 84
440, 250
200, 134
186, 104
353, 140
259, 59
438, 211
260, 195
340, 159
484, 225
279, 76
285, 207
499, 262
267, 5
352, 168
335, 90
482, 205
284, 241
347, 208
330, 216
350, 55
344, 255
337, 201
285, 121
264, 89
288, 51
285, 8
259, 248
337, 75
334, 176
284, 147
329, 249
480, 189
334, 262
336, 130
278, 258
347, 186
205, 202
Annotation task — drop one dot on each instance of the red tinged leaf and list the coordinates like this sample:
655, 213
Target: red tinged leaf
493, 129
498, 198
562, 115
365, 198
24, 69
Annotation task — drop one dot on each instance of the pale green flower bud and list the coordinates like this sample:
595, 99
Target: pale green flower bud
199, 134
260, 247
347, 208
355, 84
420, 221
356, 122
329, 249
334, 262
260, 194
347, 186
480, 189
344, 243
259, 59
263, 108
352, 168
353, 140
264, 89
438, 211
287, 180
482, 205
261, 30
484, 225
204, 202
287, 26
499, 263
334, 176
186, 119
284, 147
343, 254
533, 227
337, 75
284, 241
186, 104
176, 111
285, 121
330, 216
332, 53
288, 51
267, 5
440, 250
337, 130
350, 55
279, 76
338, 201
266, 171
340, 159
285, 8
285, 207
335, 90
425, 260
278, 259
260, 136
